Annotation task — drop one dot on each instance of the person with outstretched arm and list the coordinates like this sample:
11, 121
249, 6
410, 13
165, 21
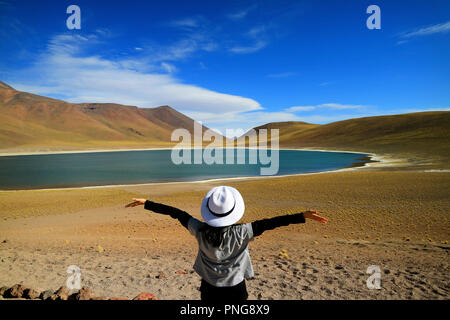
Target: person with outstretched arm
223, 261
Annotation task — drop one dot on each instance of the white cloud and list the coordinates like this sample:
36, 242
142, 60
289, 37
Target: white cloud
300, 108
170, 68
185, 22
66, 73
202, 34
258, 37
330, 106
241, 14
180, 50
257, 31
337, 106
249, 49
241, 120
281, 75
402, 42
437, 28
191, 42
413, 110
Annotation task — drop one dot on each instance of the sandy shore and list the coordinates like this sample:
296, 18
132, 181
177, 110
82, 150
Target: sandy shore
397, 220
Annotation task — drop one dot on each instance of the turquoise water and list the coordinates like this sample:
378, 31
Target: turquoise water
130, 167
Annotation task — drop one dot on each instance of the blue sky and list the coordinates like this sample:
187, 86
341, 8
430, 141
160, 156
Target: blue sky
234, 64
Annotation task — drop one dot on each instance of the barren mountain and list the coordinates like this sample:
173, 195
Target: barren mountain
423, 133
33, 122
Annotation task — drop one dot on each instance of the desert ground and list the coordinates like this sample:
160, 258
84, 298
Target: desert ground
390, 215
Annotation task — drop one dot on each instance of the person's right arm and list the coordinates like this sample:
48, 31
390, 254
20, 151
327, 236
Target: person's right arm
173, 212
269, 224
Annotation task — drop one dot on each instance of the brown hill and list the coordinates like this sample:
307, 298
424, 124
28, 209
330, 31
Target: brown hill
5, 86
30, 122
287, 129
423, 133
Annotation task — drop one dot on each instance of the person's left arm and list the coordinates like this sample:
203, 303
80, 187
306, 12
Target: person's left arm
269, 224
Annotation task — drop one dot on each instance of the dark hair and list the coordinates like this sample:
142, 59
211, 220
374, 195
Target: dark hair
214, 235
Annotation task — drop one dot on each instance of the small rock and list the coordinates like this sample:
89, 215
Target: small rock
5, 241
99, 298
181, 272
16, 291
31, 293
61, 294
145, 296
83, 294
161, 276
339, 267
45, 295
3, 290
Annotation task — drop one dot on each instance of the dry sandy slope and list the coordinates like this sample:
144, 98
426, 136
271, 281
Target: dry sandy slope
397, 220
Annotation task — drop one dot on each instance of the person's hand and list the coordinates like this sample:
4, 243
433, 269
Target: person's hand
314, 216
136, 202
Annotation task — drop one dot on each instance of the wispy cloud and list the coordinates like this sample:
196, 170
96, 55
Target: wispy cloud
256, 39
177, 51
250, 48
170, 68
201, 34
242, 120
281, 75
241, 14
300, 108
12, 28
413, 110
437, 28
257, 31
329, 106
182, 49
68, 73
189, 22
196, 34
338, 106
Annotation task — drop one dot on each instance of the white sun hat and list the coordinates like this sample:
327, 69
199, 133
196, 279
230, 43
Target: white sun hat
222, 206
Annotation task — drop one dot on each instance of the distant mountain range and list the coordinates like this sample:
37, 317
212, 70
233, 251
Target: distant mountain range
33, 122
426, 134
30, 122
